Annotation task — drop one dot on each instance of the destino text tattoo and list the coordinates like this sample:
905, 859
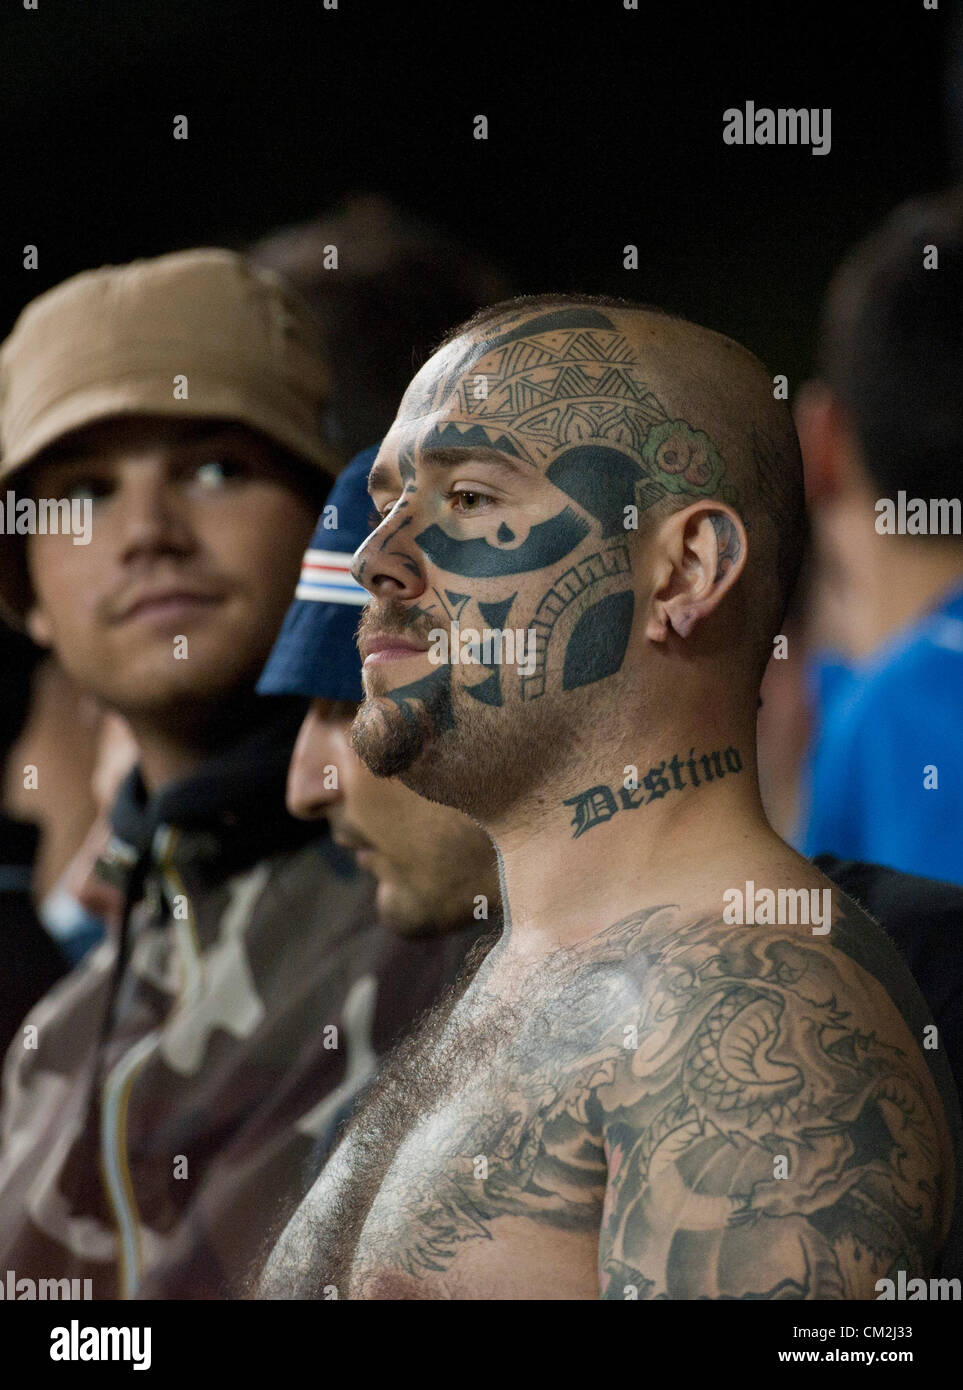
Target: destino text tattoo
598, 804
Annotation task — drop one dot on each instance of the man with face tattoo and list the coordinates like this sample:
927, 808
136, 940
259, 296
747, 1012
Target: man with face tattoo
690, 1067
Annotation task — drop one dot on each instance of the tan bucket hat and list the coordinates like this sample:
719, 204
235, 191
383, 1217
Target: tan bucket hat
201, 333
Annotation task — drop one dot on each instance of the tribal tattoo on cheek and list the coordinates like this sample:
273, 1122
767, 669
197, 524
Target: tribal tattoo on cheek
564, 395
430, 696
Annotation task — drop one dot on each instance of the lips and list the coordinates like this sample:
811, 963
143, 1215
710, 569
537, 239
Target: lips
362, 850
162, 601
351, 843
389, 647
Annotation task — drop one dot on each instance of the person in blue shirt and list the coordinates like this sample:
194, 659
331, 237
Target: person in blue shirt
882, 439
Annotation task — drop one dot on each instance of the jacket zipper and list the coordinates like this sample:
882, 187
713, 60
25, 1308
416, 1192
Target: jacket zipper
115, 1166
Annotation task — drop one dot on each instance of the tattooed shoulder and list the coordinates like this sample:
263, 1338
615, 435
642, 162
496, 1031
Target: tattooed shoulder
773, 1131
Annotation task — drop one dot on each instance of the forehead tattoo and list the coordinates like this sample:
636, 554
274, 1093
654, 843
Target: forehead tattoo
564, 392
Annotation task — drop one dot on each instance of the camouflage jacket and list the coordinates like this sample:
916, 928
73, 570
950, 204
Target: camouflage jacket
163, 1102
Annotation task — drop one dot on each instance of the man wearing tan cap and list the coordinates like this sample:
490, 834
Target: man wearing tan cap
174, 404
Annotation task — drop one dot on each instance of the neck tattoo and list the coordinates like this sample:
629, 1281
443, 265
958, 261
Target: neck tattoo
598, 804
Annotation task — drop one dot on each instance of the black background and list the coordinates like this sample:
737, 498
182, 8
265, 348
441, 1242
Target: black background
605, 129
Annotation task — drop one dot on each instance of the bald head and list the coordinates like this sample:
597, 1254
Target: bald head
600, 476
664, 410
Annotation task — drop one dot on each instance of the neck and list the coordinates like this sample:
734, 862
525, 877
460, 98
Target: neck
174, 746
884, 584
165, 758
584, 856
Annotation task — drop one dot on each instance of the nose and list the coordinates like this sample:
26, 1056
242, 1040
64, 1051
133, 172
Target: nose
388, 563
150, 520
314, 776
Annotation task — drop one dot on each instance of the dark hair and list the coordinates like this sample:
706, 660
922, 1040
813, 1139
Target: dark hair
303, 476
398, 285
891, 347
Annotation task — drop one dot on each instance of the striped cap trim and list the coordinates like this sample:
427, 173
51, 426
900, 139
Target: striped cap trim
326, 578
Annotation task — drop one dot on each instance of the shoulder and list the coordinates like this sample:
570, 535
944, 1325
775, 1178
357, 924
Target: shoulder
775, 1101
677, 971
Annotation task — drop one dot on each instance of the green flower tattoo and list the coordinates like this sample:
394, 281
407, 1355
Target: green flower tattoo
682, 459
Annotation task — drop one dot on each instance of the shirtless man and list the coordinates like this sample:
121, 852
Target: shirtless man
637, 1096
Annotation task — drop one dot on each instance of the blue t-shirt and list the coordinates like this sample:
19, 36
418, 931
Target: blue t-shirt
885, 772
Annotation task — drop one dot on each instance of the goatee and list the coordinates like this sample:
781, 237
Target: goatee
391, 731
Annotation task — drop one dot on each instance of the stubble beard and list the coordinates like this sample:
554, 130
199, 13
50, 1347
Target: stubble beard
425, 745
479, 759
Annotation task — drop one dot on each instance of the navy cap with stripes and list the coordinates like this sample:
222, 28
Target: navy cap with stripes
316, 653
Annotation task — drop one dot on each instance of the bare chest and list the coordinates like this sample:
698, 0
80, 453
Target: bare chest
495, 1193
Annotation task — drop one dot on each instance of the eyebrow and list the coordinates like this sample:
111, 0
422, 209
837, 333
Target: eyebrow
450, 457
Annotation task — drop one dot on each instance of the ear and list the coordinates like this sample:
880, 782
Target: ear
826, 438
38, 627
700, 553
